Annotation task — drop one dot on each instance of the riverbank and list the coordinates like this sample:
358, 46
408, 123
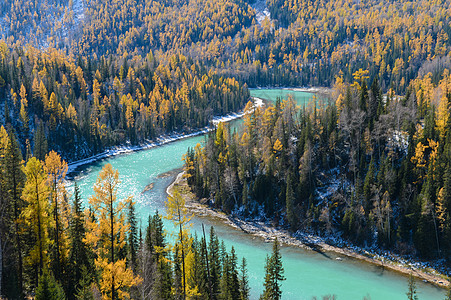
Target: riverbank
306, 241
159, 141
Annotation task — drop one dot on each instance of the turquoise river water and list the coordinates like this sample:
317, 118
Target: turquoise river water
307, 273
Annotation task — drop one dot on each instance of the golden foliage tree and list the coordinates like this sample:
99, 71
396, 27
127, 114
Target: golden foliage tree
35, 215
107, 232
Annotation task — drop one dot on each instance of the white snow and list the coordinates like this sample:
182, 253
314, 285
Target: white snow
79, 11
262, 10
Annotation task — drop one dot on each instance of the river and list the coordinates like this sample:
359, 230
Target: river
307, 273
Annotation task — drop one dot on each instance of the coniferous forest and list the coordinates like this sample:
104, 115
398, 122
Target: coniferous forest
371, 164
376, 168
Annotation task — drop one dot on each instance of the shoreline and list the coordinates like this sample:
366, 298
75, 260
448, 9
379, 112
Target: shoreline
160, 140
269, 233
176, 136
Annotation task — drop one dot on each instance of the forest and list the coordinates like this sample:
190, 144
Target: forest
302, 42
374, 169
129, 70
78, 107
57, 246
78, 77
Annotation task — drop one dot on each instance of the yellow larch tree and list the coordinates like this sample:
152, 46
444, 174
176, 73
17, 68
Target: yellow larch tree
35, 215
106, 233
178, 213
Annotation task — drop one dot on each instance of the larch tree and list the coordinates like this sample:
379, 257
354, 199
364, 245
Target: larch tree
178, 213
36, 213
107, 233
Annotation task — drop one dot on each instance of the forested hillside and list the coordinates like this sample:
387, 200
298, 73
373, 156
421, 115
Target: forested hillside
80, 106
127, 70
302, 43
374, 169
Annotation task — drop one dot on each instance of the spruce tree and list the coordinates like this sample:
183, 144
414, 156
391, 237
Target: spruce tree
80, 257
290, 203
132, 236
48, 288
40, 147
13, 183
412, 291
244, 281
214, 262
274, 274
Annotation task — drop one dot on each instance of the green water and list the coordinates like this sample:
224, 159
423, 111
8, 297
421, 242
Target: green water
308, 273
301, 98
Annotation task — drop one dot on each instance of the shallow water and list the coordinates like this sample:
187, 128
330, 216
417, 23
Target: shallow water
308, 273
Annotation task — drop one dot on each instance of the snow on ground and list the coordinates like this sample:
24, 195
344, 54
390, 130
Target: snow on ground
262, 10
258, 102
78, 8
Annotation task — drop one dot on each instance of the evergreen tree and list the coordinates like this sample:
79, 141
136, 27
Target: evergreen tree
274, 274
80, 260
48, 288
244, 281
412, 291
14, 179
214, 263
84, 289
40, 142
132, 236
163, 278
290, 203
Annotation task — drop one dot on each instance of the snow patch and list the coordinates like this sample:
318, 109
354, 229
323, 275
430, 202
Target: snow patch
262, 11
